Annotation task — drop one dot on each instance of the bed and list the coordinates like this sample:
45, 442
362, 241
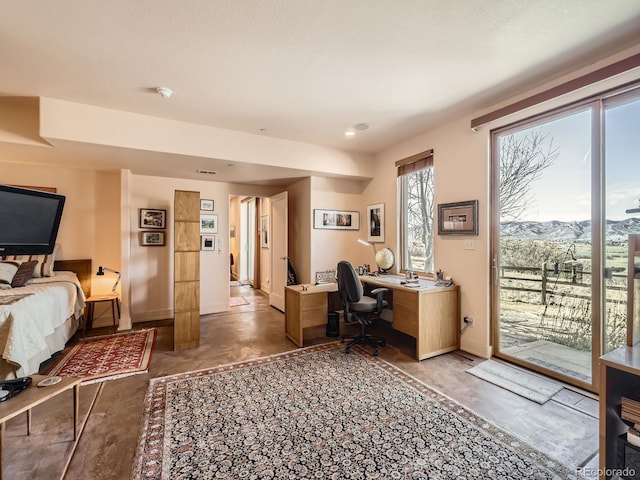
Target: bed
38, 319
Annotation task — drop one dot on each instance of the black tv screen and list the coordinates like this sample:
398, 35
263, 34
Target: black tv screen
29, 221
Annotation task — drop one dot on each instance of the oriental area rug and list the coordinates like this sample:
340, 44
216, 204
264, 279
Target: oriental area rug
109, 357
319, 413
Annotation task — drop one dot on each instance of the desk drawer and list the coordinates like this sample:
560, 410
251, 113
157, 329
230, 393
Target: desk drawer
405, 319
314, 301
405, 297
311, 318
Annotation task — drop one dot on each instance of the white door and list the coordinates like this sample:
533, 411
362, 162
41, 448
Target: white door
279, 250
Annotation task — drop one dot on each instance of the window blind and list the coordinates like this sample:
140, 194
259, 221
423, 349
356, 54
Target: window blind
415, 162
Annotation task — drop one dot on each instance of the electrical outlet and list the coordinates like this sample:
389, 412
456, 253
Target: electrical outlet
470, 244
468, 320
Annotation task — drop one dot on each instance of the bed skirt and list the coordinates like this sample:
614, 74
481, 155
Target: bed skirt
55, 343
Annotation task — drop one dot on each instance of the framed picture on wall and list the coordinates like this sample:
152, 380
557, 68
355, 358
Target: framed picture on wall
336, 219
207, 242
264, 231
152, 239
375, 222
153, 218
459, 218
206, 204
208, 223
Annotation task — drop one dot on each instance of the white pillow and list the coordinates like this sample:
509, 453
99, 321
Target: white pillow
44, 268
8, 269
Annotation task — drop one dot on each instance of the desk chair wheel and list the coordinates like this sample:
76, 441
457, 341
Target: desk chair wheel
383, 343
375, 352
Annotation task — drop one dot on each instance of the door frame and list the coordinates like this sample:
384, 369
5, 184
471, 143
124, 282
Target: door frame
597, 232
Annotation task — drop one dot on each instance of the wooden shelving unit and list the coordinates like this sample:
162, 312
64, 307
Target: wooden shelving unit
620, 375
186, 288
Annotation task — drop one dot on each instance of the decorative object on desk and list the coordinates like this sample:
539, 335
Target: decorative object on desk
232, 231
152, 239
153, 218
208, 223
98, 359
101, 271
47, 382
264, 231
385, 259
336, 219
310, 386
326, 276
206, 204
459, 218
375, 222
207, 242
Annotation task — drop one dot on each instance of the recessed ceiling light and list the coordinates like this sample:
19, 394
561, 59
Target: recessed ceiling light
361, 126
349, 133
164, 92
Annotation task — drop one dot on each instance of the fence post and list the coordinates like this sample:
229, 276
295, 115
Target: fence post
544, 283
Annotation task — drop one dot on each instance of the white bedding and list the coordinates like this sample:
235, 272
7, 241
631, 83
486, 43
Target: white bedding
30, 328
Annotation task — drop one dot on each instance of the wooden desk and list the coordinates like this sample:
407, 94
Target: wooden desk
32, 396
429, 315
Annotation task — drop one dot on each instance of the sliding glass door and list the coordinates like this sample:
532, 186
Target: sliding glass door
562, 185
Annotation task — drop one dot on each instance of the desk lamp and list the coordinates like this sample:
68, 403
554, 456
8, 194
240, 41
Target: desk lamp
369, 244
101, 271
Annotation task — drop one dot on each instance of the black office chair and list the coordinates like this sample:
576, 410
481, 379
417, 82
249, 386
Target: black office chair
364, 309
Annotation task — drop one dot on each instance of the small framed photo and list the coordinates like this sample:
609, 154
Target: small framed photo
264, 231
459, 218
152, 239
208, 223
336, 219
153, 218
207, 242
375, 222
206, 204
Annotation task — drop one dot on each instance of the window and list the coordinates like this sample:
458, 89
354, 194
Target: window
415, 181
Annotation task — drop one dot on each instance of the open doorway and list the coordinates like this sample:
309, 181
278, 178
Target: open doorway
249, 260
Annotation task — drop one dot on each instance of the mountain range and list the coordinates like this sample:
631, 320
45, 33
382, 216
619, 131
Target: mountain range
617, 230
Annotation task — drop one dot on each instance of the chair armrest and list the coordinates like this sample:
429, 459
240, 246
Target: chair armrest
378, 294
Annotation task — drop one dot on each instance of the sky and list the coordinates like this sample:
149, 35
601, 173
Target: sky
564, 190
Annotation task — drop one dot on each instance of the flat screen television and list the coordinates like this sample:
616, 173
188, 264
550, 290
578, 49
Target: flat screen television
29, 221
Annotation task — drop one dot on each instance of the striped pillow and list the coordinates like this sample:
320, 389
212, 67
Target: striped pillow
8, 269
44, 267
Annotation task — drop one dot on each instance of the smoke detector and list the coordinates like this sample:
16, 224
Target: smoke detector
164, 92
361, 126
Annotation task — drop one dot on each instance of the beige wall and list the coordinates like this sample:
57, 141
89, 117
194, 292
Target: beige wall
328, 247
90, 225
456, 149
152, 267
299, 239
265, 253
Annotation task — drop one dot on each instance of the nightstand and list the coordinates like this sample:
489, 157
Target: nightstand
114, 300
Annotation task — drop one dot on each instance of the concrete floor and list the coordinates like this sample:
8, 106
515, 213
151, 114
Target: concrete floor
565, 427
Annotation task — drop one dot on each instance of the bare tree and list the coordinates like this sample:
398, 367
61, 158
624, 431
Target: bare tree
420, 207
522, 160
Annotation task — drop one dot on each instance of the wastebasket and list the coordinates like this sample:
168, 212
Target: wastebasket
333, 324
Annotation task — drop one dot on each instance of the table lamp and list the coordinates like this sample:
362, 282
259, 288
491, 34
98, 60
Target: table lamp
101, 271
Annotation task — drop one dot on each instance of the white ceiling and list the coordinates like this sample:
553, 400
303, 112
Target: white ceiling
304, 70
